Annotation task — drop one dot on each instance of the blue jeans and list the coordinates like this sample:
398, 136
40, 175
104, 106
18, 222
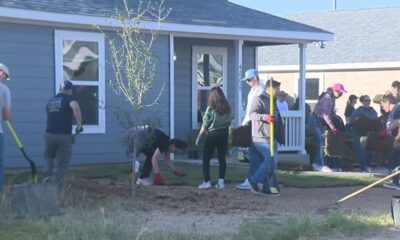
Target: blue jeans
1, 161
395, 162
364, 155
318, 129
262, 164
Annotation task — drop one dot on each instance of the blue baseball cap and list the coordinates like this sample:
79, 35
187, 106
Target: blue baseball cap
249, 74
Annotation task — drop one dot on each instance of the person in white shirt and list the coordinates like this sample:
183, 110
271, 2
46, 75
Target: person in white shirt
256, 89
5, 113
281, 102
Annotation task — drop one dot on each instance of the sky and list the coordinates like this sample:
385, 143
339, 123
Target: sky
284, 7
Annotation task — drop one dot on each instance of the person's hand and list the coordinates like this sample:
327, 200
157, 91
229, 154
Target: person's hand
178, 174
78, 129
158, 179
197, 140
356, 119
383, 133
335, 131
269, 118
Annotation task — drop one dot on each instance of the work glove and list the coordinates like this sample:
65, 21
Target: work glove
158, 179
383, 133
197, 140
269, 119
335, 131
178, 174
78, 129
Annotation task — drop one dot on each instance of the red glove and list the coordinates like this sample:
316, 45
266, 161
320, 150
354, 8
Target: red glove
178, 174
158, 179
383, 133
335, 131
269, 119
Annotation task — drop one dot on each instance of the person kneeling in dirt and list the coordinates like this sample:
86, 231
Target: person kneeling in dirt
153, 143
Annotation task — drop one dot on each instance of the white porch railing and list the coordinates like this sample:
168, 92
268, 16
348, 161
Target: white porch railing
294, 138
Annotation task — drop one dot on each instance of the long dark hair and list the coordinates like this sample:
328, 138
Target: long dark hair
218, 102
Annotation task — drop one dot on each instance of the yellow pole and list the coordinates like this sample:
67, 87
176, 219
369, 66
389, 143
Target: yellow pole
271, 112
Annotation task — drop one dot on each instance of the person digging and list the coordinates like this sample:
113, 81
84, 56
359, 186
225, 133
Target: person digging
153, 144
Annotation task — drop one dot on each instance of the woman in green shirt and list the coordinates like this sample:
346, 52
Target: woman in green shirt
216, 122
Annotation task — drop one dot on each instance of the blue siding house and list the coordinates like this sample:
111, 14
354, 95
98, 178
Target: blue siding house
203, 43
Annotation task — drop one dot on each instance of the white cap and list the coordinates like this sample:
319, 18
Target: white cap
5, 69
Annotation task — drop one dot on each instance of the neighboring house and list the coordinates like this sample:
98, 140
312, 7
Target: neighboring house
203, 43
364, 55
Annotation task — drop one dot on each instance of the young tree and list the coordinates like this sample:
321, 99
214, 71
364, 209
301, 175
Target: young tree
135, 63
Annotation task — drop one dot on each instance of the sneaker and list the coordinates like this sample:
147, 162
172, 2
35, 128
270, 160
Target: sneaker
244, 185
272, 192
254, 188
220, 184
325, 169
392, 185
316, 167
205, 185
144, 181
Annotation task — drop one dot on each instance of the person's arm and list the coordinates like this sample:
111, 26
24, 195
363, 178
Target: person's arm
7, 105
77, 111
169, 162
155, 159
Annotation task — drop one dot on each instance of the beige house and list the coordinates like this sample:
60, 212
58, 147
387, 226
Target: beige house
364, 57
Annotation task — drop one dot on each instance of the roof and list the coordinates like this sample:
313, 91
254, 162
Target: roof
361, 36
216, 13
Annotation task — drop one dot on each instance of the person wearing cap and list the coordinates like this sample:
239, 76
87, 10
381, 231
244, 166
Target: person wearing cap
367, 111
61, 110
320, 117
351, 101
281, 102
256, 89
5, 113
262, 180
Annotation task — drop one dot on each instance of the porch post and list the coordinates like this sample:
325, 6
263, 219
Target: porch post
171, 88
302, 94
238, 83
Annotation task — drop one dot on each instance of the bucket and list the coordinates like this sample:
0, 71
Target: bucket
396, 210
35, 200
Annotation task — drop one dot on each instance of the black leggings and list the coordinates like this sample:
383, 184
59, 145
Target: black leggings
147, 165
215, 139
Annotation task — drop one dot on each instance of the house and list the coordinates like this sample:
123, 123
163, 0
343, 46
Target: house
202, 44
364, 55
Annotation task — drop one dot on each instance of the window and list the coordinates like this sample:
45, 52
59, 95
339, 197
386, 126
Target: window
79, 57
208, 71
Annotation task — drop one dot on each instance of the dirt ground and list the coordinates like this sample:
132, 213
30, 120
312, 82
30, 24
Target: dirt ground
188, 209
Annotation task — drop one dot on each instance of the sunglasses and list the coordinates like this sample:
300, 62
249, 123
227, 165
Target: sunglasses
249, 80
367, 100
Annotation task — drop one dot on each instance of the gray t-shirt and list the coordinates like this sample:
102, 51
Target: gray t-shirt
5, 101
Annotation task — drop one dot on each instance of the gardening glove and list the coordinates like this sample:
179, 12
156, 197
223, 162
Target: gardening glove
78, 129
269, 119
158, 179
383, 133
178, 174
335, 131
197, 140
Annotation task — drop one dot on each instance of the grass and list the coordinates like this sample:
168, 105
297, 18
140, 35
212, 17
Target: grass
194, 176
102, 218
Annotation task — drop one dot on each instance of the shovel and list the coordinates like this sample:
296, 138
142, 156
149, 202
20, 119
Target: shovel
21, 147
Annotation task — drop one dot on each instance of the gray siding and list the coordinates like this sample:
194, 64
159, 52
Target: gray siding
183, 78
29, 53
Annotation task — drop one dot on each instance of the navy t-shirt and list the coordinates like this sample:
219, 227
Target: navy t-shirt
59, 114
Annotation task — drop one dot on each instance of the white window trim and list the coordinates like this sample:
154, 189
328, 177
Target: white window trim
59, 36
321, 84
211, 50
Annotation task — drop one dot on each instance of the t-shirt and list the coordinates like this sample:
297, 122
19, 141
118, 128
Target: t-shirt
156, 139
5, 101
59, 114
